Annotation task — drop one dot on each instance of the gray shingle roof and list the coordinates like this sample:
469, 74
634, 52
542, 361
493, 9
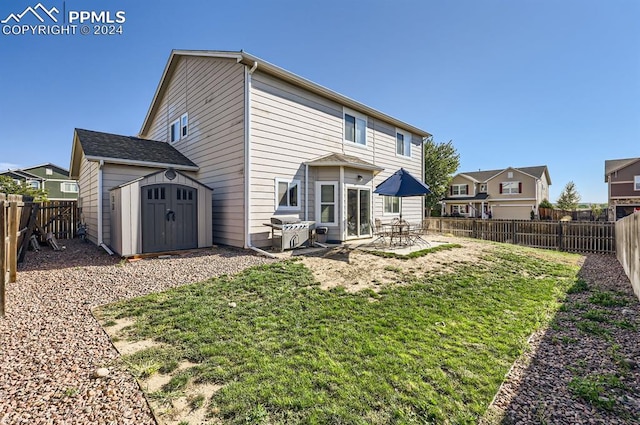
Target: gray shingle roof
106, 145
612, 165
483, 176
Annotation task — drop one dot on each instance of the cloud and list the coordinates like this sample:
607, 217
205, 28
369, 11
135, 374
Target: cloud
7, 165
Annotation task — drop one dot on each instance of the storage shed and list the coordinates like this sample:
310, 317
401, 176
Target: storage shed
163, 211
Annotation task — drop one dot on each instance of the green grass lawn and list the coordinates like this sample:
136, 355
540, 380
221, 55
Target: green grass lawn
433, 350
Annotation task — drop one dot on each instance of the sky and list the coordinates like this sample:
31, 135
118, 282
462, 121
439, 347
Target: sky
511, 83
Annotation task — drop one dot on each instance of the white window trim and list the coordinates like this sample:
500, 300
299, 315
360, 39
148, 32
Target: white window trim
62, 188
348, 186
177, 124
459, 185
391, 214
290, 182
636, 183
319, 202
184, 136
481, 186
407, 137
510, 192
357, 115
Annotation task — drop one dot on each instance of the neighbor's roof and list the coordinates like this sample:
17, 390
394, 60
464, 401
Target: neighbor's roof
47, 164
341, 160
19, 172
477, 197
613, 165
117, 149
483, 176
266, 67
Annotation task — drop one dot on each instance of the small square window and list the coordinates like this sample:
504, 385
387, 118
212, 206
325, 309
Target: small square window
391, 205
48, 171
287, 194
510, 175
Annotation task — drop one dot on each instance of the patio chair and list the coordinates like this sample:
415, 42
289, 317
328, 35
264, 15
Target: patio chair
380, 232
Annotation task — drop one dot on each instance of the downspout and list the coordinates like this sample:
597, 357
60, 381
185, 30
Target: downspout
306, 192
247, 162
100, 211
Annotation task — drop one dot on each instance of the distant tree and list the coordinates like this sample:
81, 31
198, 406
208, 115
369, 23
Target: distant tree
9, 186
545, 204
441, 160
569, 197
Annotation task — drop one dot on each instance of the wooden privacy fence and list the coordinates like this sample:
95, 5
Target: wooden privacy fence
14, 214
560, 235
59, 217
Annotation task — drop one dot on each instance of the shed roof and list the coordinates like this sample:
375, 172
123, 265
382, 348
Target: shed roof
117, 149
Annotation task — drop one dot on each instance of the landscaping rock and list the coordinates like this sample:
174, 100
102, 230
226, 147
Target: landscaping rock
52, 348
102, 372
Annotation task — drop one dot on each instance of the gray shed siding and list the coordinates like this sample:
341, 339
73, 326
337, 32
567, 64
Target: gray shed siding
211, 91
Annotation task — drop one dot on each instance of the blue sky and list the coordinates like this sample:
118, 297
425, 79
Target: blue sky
512, 83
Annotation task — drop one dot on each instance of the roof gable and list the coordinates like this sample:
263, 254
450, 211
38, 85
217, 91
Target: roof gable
117, 149
486, 175
613, 165
256, 63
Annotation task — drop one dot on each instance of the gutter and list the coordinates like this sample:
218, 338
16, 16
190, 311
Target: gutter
100, 211
248, 244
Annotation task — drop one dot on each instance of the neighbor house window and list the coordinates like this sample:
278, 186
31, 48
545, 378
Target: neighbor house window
510, 187
510, 175
184, 126
48, 171
403, 143
458, 209
287, 194
459, 189
327, 202
483, 188
391, 205
355, 128
636, 183
174, 131
69, 187
34, 184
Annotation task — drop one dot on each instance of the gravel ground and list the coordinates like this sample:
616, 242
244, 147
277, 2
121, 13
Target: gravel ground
537, 390
50, 343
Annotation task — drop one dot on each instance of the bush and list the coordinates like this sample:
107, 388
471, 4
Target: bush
545, 204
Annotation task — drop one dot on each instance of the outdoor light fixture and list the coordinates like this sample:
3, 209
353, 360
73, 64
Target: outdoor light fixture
359, 178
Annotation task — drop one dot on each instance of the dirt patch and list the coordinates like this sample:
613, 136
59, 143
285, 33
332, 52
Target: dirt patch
357, 269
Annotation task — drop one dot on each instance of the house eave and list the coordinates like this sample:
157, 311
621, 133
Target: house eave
120, 161
266, 67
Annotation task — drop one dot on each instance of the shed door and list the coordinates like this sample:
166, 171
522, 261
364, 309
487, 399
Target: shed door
169, 218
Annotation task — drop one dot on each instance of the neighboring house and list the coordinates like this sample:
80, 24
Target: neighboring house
50, 177
510, 193
623, 179
267, 141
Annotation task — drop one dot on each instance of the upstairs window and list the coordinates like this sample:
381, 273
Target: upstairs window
174, 131
510, 188
68, 187
287, 194
355, 128
184, 125
179, 129
48, 171
483, 188
34, 184
403, 143
459, 189
636, 182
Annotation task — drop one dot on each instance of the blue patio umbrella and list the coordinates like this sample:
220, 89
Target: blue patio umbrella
402, 184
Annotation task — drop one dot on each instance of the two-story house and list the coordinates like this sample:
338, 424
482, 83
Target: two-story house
264, 140
510, 193
623, 179
49, 177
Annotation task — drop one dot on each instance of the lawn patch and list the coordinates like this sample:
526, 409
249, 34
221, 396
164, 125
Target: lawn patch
434, 349
415, 254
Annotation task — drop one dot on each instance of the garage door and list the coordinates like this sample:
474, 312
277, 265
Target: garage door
169, 218
507, 212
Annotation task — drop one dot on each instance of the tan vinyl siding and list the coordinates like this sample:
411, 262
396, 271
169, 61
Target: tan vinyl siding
88, 197
462, 180
528, 185
211, 91
290, 126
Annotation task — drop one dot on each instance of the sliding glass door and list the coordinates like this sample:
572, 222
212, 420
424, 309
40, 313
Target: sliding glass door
358, 212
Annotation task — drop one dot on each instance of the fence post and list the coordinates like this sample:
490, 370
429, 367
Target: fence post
3, 256
560, 237
13, 241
